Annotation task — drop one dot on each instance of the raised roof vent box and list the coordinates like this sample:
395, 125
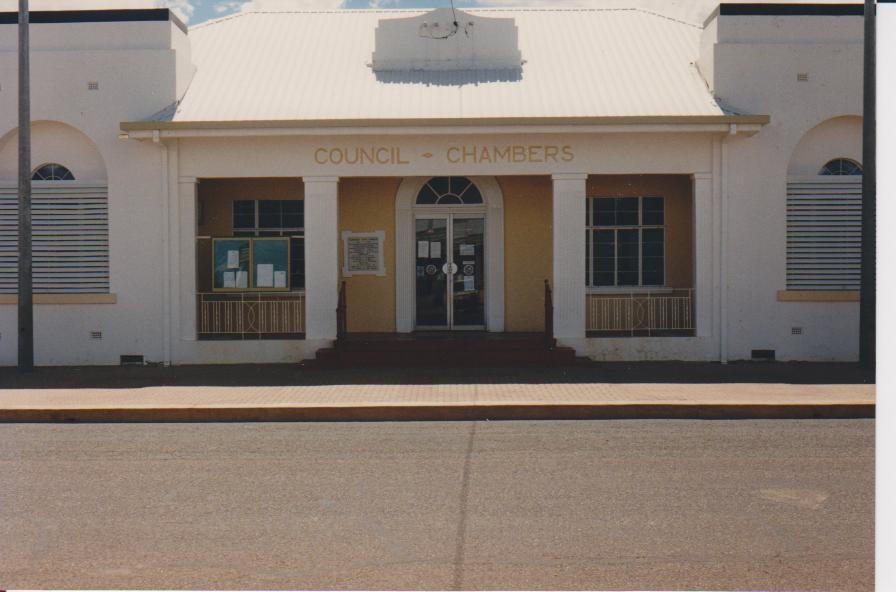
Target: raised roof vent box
446, 40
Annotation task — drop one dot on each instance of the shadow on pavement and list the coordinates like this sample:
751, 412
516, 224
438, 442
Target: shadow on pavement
300, 375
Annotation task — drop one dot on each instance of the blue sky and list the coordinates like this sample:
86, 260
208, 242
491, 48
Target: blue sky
204, 10
197, 11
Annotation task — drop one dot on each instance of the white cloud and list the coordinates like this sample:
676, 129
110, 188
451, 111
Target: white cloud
688, 10
273, 5
228, 6
693, 11
182, 8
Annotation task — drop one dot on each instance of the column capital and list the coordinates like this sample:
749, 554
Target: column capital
570, 176
321, 179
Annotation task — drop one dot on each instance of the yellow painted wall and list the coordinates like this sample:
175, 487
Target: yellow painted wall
679, 215
368, 205
216, 197
527, 250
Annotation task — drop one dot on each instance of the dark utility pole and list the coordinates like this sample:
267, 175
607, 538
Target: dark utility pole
869, 195
26, 304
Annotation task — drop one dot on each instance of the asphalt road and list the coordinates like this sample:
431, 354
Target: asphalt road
562, 505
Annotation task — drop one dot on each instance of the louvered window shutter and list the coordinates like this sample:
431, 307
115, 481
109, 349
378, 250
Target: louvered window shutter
824, 233
70, 237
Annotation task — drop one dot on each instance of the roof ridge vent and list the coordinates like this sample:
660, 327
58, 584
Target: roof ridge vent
442, 40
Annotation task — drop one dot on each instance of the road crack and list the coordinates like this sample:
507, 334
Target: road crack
462, 522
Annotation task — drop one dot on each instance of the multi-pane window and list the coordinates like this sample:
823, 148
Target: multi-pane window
272, 217
841, 167
626, 241
52, 172
449, 191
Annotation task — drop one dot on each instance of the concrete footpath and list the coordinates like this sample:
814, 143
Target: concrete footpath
66, 396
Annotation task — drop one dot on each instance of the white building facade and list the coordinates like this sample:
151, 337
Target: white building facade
207, 195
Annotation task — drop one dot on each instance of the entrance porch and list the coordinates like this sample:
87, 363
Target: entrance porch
624, 256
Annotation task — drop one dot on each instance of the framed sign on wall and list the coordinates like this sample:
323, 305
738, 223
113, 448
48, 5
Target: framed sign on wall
362, 253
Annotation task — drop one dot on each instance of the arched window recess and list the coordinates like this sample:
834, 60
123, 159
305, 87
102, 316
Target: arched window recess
841, 166
52, 172
449, 191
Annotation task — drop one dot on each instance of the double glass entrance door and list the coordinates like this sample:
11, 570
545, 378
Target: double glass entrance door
450, 283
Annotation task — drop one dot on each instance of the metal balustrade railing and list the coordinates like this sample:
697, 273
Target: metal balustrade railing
641, 313
250, 315
549, 341
341, 316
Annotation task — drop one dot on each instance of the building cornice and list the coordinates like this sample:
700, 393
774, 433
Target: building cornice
115, 15
786, 9
746, 124
792, 9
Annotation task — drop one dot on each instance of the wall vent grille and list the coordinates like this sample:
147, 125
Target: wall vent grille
96, 334
71, 238
802, 77
93, 86
824, 233
796, 330
763, 354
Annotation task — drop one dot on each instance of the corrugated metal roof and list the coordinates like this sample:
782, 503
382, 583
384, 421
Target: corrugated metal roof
280, 66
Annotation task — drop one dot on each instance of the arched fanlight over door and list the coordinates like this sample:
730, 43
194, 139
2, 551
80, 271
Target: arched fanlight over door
449, 191
52, 172
841, 166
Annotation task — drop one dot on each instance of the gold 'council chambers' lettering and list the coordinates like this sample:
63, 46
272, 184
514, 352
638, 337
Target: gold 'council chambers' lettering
358, 155
469, 154
511, 154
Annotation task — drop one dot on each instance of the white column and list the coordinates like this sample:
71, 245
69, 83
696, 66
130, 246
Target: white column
168, 193
703, 252
186, 263
569, 255
405, 249
321, 256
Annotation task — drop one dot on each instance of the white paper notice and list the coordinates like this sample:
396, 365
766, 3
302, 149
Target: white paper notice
264, 275
279, 279
229, 279
233, 259
469, 283
242, 279
423, 249
435, 250
467, 250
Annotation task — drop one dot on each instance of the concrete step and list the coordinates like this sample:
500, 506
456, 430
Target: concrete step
455, 357
444, 345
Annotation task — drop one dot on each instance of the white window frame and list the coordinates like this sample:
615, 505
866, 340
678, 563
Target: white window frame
640, 227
